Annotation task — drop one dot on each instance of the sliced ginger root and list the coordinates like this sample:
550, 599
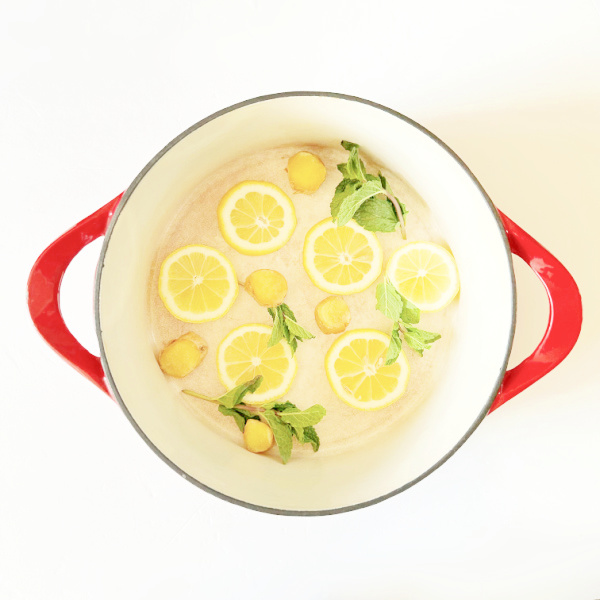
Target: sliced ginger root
258, 436
267, 287
306, 172
332, 315
183, 355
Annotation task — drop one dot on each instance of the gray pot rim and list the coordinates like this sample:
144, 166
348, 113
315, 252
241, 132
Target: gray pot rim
113, 387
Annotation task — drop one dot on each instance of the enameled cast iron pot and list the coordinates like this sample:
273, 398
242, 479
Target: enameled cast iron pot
475, 383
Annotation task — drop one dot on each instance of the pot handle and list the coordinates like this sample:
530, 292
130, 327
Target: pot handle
564, 323
43, 290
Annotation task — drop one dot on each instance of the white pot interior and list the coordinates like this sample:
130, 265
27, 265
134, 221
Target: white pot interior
483, 327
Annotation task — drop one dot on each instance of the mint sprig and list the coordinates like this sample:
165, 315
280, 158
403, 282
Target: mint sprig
285, 419
366, 198
286, 327
405, 315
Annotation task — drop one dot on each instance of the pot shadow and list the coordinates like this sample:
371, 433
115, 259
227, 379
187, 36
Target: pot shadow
540, 164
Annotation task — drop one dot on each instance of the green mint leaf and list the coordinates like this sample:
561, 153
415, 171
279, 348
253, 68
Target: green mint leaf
248, 414
354, 168
303, 418
287, 311
236, 395
290, 329
310, 435
277, 405
299, 433
394, 348
343, 189
349, 145
343, 169
293, 345
389, 300
239, 415
286, 333
231, 412
386, 186
377, 214
367, 198
351, 203
410, 313
282, 433
419, 339
278, 332
297, 331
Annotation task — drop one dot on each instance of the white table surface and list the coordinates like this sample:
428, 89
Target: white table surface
90, 91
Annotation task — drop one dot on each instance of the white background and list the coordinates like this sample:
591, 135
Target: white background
90, 91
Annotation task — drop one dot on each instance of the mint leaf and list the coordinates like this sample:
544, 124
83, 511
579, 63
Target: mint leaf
282, 433
293, 342
367, 198
248, 414
278, 333
286, 326
236, 395
298, 331
351, 203
278, 406
230, 412
303, 418
404, 313
343, 189
354, 168
239, 416
389, 300
377, 214
386, 186
310, 435
410, 313
287, 311
349, 145
419, 339
394, 348
299, 433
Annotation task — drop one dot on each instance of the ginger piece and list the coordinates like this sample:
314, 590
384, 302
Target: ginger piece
183, 355
267, 287
258, 436
306, 172
332, 315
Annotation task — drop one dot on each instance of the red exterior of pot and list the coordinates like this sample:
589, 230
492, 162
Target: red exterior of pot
44, 291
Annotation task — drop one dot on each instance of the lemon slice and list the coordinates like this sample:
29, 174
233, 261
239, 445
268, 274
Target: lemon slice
244, 354
355, 367
256, 217
342, 260
425, 273
197, 284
